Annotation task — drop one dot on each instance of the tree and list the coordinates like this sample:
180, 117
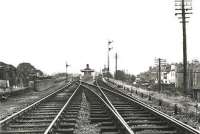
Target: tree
108, 74
121, 75
132, 78
25, 73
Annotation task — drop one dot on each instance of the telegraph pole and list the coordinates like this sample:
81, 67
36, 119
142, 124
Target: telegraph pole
183, 8
109, 48
116, 66
159, 62
159, 74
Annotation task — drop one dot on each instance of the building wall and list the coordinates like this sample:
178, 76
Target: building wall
9, 74
179, 80
173, 74
171, 77
196, 81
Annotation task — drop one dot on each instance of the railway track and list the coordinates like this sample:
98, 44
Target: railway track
82, 107
140, 117
87, 112
73, 109
37, 117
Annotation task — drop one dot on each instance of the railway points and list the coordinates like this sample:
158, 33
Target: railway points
93, 108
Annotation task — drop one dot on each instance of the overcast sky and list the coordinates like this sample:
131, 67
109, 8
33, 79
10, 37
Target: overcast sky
47, 33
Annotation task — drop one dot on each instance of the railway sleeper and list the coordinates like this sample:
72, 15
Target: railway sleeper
64, 131
33, 116
23, 132
67, 125
104, 115
140, 118
151, 127
69, 120
156, 132
33, 121
41, 114
108, 129
36, 117
50, 108
27, 125
145, 122
99, 119
137, 115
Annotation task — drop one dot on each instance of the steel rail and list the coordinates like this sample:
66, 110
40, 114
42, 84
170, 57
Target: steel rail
125, 125
15, 115
50, 127
176, 122
96, 90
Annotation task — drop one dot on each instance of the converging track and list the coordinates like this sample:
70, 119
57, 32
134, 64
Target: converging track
89, 114
80, 107
72, 109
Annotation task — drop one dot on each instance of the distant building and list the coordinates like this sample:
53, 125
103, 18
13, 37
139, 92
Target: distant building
165, 69
173, 74
190, 75
149, 76
196, 81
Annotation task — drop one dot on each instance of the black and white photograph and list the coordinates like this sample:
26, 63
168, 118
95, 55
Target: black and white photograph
99, 67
